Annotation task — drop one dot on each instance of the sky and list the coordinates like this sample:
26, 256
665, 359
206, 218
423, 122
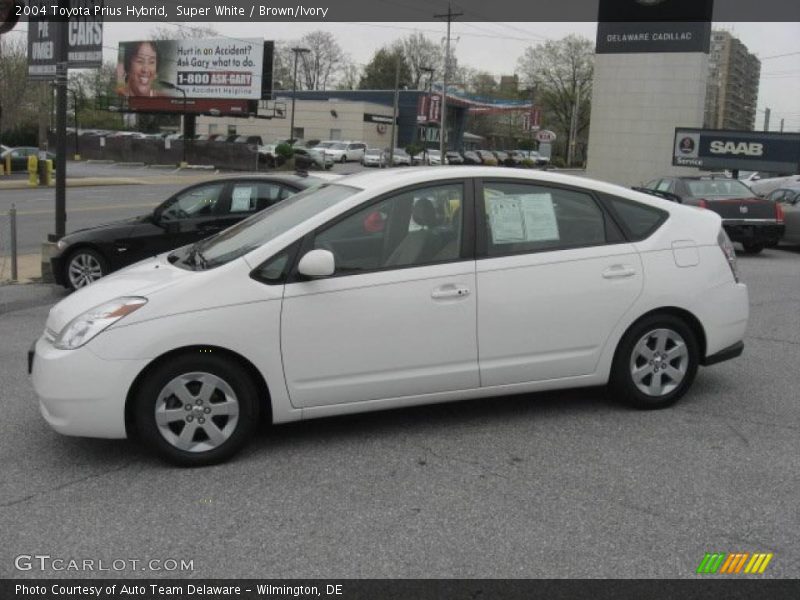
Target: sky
495, 47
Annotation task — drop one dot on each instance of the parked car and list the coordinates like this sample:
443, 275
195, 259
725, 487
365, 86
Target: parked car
401, 158
752, 221
454, 158
194, 213
19, 157
789, 199
346, 151
362, 295
471, 158
765, 185
502, 158
434, 157
312, 158
487, 158
375, 157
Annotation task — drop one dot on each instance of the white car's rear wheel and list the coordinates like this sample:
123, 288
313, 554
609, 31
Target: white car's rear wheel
655, 363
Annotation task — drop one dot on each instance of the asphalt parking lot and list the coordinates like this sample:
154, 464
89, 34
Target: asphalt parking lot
549, 485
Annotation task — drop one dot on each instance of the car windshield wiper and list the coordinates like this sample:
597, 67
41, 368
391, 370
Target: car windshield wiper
196, 258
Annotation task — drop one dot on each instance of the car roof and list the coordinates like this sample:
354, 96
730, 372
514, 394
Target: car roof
301, 180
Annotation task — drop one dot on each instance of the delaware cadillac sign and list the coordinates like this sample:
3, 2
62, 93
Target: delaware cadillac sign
728, 149
631, 26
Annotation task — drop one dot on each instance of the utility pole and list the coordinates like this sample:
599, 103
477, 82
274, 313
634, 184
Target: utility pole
573, 127
766, 119
296, 51
443, 119
429, 71
394, 111
781, 125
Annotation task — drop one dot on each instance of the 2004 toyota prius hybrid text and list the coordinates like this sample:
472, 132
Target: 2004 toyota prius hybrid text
393, 289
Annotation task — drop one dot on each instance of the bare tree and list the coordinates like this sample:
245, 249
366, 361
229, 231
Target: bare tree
561, 73
20, 100
183, 32
350, 76
282, 66
322, 63
421, 53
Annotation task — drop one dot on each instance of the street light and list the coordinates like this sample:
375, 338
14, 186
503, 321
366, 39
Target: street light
296, 51
172, 86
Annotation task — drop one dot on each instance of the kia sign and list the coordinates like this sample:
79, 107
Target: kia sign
728, 149
546, 136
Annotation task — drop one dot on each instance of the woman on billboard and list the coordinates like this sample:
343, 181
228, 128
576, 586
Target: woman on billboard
138, 69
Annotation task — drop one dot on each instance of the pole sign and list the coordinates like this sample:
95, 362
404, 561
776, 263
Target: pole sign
729, 149
546, 136
632, 26
84, 38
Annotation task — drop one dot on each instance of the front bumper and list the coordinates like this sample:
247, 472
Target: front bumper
746, 232
57, 265
80, 393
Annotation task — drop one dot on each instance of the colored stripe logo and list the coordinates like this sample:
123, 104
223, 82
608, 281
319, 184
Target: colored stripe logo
723, 563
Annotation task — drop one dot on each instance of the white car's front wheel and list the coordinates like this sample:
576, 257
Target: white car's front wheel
196, 409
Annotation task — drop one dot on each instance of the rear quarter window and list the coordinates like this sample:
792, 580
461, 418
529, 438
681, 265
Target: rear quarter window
638, 221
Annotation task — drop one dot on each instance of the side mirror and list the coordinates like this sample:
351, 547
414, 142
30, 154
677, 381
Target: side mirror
317, 263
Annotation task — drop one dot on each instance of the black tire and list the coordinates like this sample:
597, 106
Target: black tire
194, 369
752, 248
84, 266
644, 336
343, 159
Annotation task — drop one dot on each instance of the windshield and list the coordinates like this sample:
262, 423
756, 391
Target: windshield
325, 144
373, 152
268, 224
729, 188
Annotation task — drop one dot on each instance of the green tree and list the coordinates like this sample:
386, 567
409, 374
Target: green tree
561, 73
380, 72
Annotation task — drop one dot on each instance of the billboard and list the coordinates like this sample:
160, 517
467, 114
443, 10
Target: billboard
633, 26
202, 69
729, 149
84, 42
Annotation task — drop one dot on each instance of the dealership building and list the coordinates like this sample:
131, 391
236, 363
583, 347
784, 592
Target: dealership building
357, 115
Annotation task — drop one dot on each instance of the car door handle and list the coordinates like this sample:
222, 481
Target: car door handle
619, 272
450, 291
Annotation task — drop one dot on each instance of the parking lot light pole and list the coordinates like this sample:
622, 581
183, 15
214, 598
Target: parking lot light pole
297, 51
172, 86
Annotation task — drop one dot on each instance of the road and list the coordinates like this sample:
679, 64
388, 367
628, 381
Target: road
549, 485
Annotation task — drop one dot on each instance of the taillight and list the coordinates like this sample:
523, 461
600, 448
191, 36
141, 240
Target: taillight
702, 203
779, 213
729, 251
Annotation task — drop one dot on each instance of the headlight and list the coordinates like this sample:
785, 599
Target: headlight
62, 245
86, 326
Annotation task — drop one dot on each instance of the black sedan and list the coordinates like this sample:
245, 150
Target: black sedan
190, 215
19, 157
752, 221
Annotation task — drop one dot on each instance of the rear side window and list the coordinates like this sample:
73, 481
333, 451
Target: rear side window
638, 220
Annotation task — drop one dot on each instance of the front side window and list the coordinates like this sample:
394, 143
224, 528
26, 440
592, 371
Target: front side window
523, 218
196, 202
417, 227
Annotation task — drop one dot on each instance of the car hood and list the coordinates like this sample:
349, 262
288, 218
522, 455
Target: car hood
121, 226
144, 278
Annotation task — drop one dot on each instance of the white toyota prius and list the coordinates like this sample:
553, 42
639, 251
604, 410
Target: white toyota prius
391, 289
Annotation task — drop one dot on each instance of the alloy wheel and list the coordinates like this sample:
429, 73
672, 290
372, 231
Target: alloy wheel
659, 362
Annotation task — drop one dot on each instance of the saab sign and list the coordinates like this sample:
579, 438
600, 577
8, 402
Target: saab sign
728, 149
